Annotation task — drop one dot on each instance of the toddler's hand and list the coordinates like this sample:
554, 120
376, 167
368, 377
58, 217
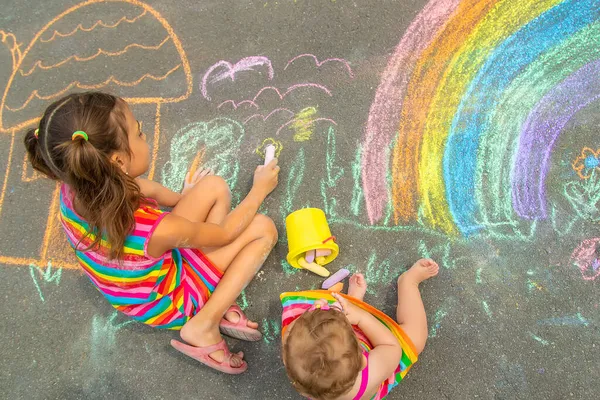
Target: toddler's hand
191, 181
350, 310
266, 177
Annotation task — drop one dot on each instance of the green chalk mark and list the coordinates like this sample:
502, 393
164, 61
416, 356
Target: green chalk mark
243, 300
486, 307
357, 192
292, 184
539, 339
47, 276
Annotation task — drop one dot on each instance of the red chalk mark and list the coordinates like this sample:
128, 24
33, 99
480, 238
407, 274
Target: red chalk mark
585, 258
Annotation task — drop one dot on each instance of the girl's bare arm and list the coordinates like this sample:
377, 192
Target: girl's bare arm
154, 190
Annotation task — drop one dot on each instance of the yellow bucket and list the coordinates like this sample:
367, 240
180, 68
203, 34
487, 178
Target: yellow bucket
307, 229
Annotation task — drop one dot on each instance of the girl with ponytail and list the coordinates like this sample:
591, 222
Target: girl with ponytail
177, 270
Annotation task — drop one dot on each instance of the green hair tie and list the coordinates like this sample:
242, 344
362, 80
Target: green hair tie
81, 134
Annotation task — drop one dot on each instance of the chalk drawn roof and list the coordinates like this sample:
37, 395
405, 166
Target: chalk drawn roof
131, 32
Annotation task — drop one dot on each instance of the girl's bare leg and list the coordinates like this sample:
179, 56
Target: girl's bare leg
240, 261
208, 201
411, 312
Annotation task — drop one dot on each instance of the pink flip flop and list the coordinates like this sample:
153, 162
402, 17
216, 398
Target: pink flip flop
239, 330
202, 354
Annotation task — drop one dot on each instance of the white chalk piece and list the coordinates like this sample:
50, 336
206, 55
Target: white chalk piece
269, 153
322, 253
310, 256
320, 260
314, 268
335, 278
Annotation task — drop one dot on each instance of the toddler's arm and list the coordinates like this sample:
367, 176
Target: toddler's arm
386, 353
154, 190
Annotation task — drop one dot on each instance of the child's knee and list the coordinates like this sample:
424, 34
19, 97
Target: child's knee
266, 226
216, 185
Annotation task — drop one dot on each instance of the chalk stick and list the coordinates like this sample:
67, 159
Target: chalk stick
338, 287
309, 256
335, 278
314, 268
269, 153
322, 253
320, 260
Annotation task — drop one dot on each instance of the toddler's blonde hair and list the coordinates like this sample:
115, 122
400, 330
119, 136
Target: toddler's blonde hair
322, 355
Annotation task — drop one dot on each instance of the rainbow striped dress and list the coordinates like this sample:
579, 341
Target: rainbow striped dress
164, 292
296, 303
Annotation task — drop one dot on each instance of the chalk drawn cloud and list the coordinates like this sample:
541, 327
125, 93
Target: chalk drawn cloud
318, 63
224, 69
253, 101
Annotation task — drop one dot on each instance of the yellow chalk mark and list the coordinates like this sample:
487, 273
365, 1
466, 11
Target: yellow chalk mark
79, 27
29, 178
35, 93
260, 150
38, 64
14, 47
302, 126
8, 161
155, 142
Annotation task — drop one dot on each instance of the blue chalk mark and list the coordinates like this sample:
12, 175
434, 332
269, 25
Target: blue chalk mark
484, 92
572, 320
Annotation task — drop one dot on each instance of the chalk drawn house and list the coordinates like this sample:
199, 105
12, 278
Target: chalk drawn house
90, 46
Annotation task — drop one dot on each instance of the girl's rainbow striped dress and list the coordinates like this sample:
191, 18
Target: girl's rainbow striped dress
164, 292
297, 303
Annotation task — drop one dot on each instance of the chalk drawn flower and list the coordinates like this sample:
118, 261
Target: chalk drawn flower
586, 162
585, 257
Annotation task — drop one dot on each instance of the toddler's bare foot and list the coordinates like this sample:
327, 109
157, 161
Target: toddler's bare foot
423, 269
357, 287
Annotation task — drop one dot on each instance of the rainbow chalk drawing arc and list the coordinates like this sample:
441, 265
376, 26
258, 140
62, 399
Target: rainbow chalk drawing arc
87, 69
473, 101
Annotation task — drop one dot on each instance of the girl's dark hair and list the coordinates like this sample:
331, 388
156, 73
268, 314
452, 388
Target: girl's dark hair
106, 197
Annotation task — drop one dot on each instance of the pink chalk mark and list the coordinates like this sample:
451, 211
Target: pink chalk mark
245, 64
384, 116
318, 64
281, 96
236, 105
585, 258
304, 123
268, 115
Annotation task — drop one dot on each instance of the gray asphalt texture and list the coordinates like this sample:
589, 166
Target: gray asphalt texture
510, 318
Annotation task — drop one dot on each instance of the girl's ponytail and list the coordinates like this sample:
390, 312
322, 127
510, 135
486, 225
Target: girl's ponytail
107, 196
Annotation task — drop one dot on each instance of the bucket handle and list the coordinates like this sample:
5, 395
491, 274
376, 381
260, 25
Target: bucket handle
329, 238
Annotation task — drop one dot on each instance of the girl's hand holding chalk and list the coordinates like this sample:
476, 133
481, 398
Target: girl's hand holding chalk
266, 177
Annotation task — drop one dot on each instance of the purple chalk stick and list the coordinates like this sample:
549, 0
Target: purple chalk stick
335, 278
309, 256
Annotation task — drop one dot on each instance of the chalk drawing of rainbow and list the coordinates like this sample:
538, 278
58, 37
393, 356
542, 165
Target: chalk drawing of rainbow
470, 106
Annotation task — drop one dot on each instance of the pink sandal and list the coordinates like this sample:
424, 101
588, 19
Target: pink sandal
202, 354
239, 330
